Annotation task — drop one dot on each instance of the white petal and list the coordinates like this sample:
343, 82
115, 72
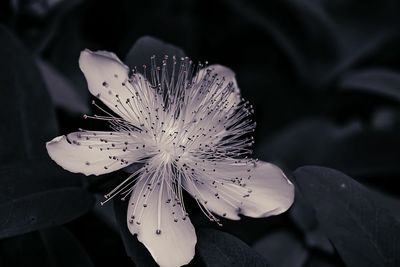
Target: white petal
254, 190
228, 75
205, 194
272, 193
94, 152
107, 79
175, 244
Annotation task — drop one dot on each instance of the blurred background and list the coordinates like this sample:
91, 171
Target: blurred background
323, 77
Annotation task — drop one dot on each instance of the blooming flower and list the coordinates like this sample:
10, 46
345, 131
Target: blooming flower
191, 130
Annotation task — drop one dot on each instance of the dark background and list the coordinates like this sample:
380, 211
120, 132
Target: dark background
324, 80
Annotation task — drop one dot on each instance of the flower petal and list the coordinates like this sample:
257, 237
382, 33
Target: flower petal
228, 75
205, 194
95, 152
272, 193
252, 189
151, 209
108, 80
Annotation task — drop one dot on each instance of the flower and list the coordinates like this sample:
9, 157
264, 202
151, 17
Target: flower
191, 130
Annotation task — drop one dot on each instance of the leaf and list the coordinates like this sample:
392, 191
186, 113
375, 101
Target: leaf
41, 29
34, 192
54, 246
390, 202
293, 44
363, 232
36, 195
101, 240
351, 148
61, 90
282, 248
64, 248
216, 248
342, 37
319, 260
27, 116
316, 239
377, 81
146, 47
303, 216
42, 209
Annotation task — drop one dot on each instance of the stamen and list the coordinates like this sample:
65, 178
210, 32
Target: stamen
183, 119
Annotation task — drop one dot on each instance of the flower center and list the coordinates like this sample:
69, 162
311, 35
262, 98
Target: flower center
167, 152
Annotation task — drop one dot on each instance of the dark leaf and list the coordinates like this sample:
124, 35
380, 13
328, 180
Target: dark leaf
327, 39
319, 260
40, 31
27, 117
19, 180
282, 249
46, 248
247, 229
42, 209
34, 8
105, 213
356, 150
381, 82
36, 195
216, 248
66, 39
146, 47
384, 118
303, 216
34, 192
317, 239
294, 43
390, 202
61, 90
363, 232
101, 240
64, 249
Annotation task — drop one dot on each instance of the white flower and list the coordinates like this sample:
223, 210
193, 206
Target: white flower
191, 130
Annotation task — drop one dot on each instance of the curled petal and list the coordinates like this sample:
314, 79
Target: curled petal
156, 216
253, 189
93, 152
